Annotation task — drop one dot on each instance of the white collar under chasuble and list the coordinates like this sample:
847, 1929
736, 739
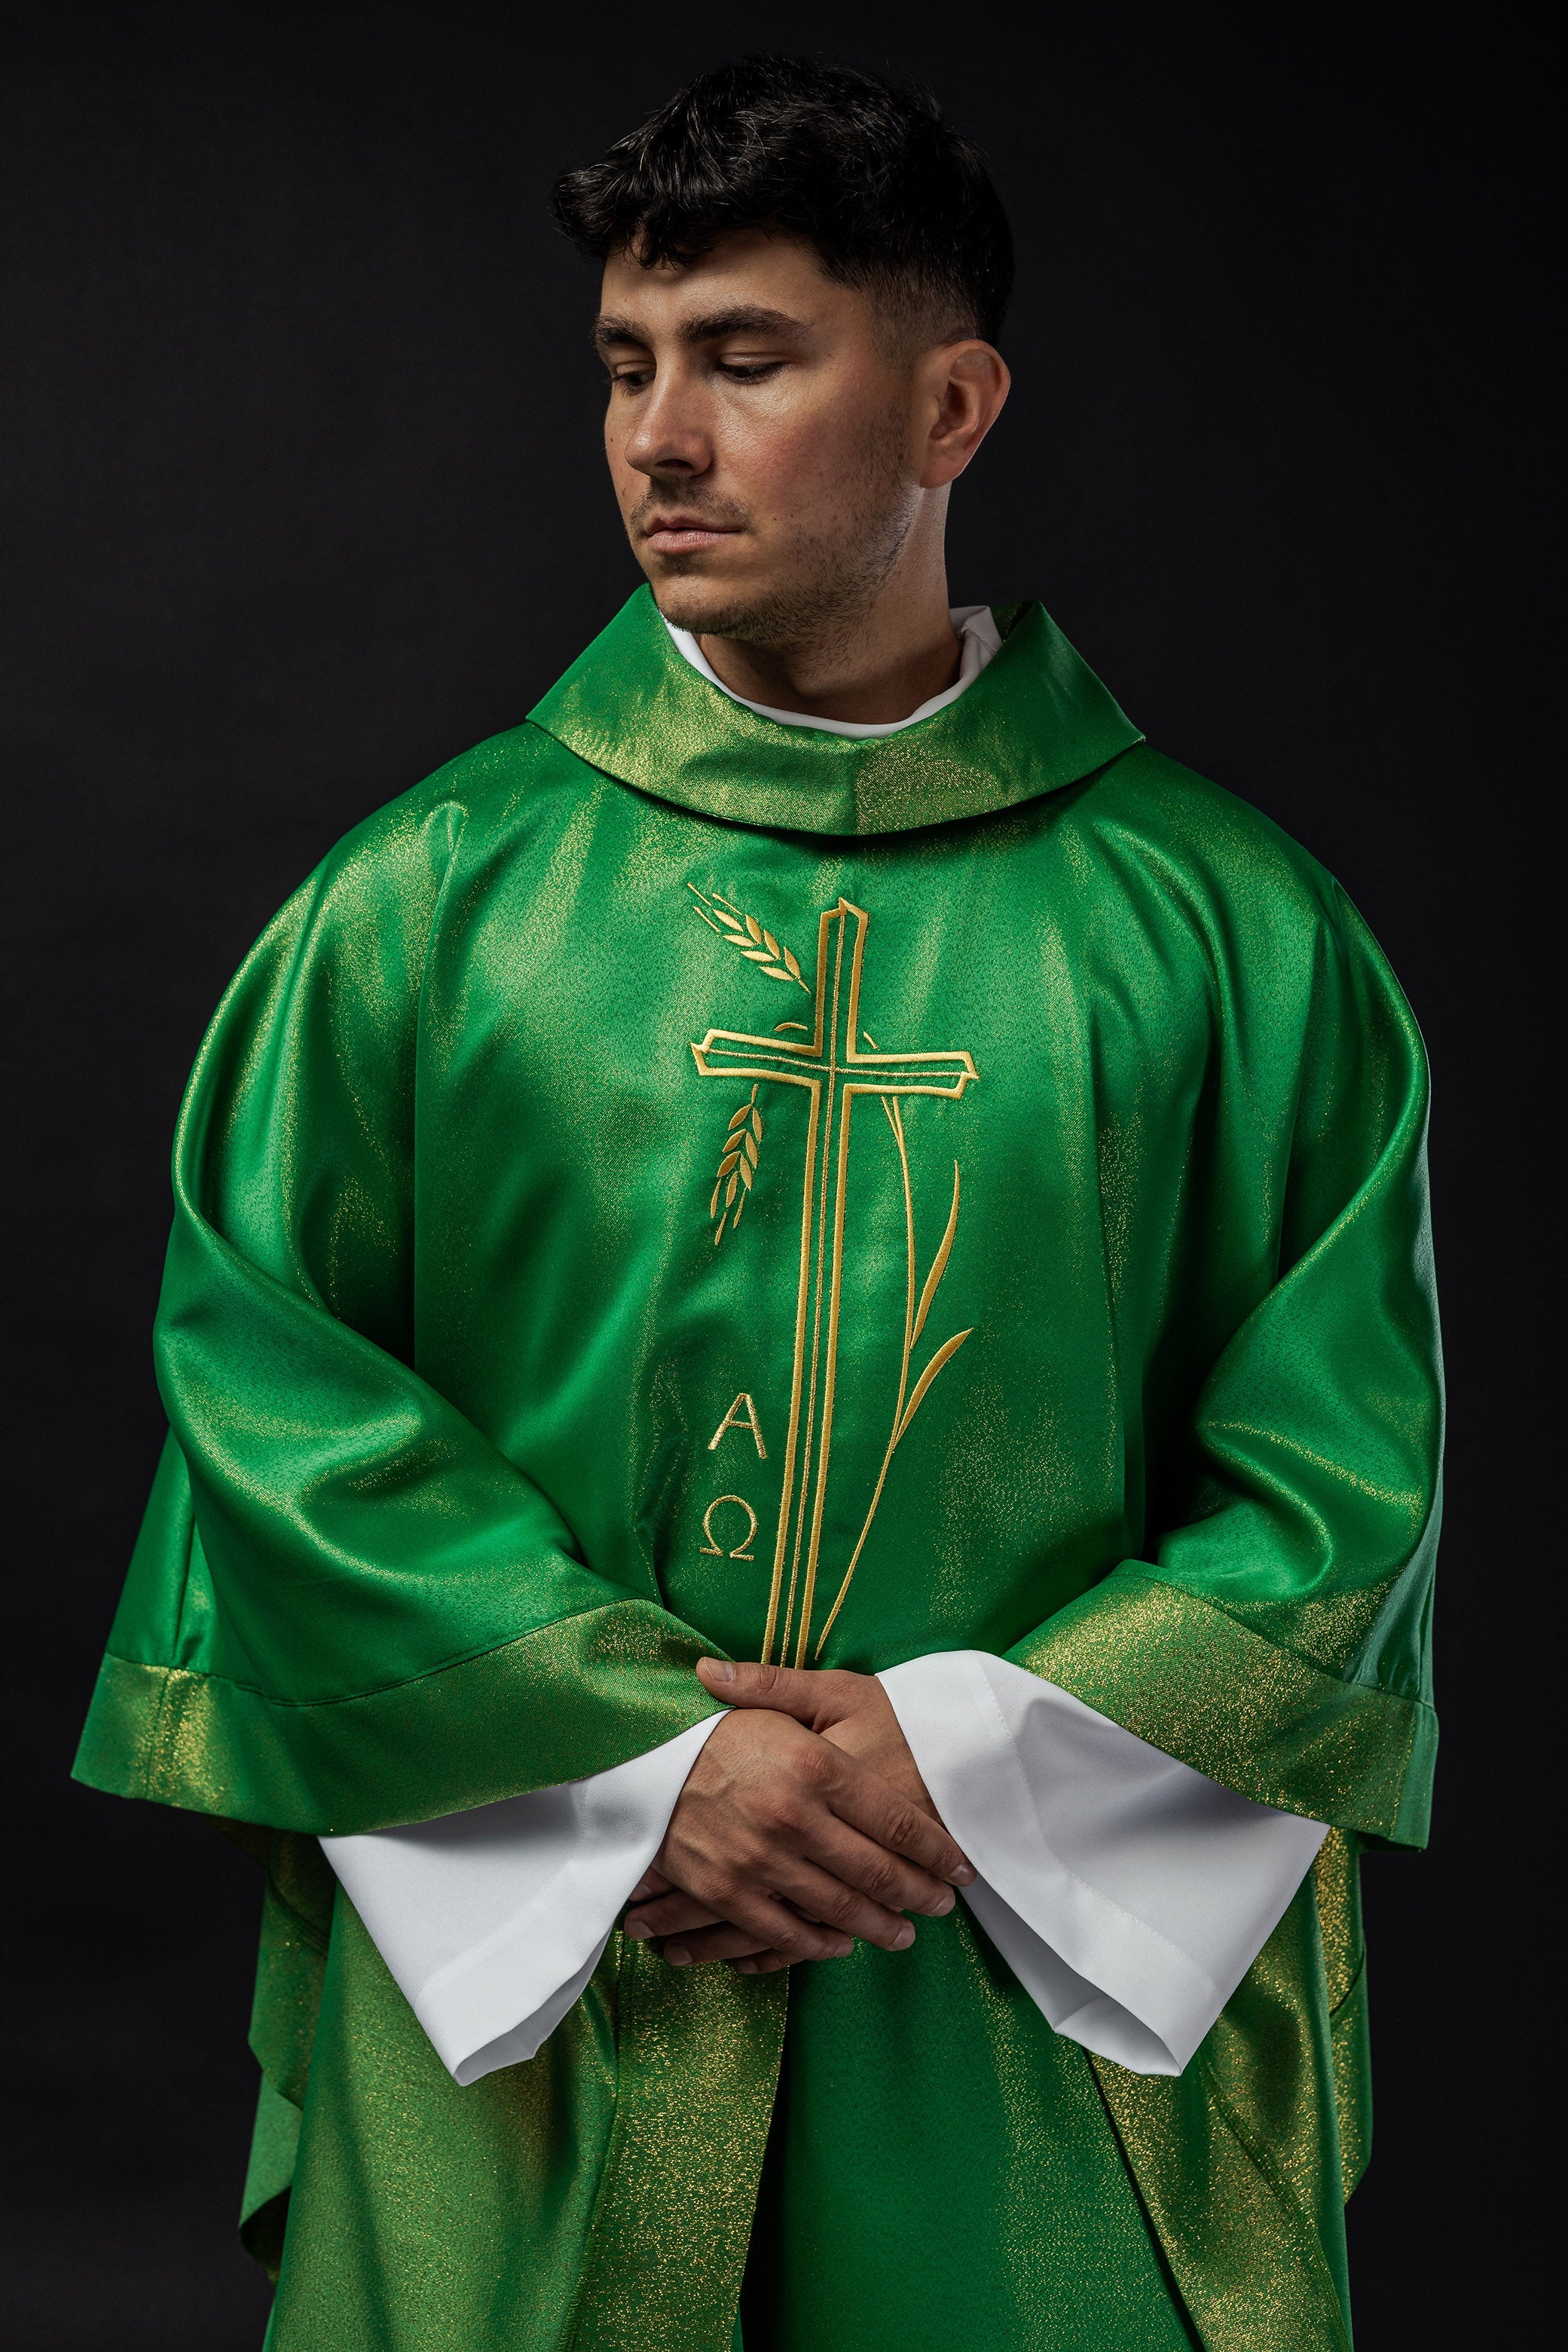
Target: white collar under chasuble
978, 635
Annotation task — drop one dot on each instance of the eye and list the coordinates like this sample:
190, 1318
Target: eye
749, 371
630, 379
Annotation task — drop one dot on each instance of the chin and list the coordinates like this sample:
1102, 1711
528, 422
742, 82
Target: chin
715, 608
705, 607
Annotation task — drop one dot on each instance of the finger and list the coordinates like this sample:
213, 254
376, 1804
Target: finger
870, 1871
669, 1915
823, 1837
809, 1696
770, 1924
863, 1798
765, 1964
652, 1882
823, 1896
727, 1943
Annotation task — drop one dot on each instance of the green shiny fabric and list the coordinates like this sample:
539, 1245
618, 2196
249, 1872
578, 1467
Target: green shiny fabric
632, 707
678, 1181
977, 2196
585, 2197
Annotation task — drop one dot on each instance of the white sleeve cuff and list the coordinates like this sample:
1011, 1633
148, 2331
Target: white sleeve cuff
1129, 1894
493, 1921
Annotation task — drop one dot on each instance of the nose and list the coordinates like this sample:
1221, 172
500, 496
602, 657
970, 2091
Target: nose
668, 438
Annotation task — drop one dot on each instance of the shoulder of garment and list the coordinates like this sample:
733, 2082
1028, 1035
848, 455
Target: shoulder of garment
392, 867
1167, 841
1146, 809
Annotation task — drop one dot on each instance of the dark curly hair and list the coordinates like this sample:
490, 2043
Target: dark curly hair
869, 174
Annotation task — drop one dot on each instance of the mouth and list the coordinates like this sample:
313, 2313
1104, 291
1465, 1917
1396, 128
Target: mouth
685, 534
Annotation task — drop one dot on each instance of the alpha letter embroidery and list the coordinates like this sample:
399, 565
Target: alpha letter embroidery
742, 1415
830, 1065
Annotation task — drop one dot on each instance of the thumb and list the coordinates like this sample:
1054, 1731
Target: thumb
787, 1690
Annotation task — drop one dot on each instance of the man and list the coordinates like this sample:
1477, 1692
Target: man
800, 1296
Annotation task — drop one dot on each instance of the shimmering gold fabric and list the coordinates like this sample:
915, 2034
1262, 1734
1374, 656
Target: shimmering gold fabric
674, 1182
567, 2200
670, 2231
1337, 1879
1258, 1717
296, 1924
654, 728
1238, 2160
427, 2218
216, 1745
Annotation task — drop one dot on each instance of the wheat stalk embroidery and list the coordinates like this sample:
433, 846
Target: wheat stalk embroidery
736, 1166
909, 1400
757, 944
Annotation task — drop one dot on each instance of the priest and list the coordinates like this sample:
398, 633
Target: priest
804, 1415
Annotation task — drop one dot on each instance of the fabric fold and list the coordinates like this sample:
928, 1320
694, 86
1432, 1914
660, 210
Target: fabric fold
492, 1921
1128, 1893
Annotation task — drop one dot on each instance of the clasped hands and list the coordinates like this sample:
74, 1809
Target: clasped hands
803, 1824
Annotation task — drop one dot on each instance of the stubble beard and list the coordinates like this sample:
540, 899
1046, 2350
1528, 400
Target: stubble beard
828, 575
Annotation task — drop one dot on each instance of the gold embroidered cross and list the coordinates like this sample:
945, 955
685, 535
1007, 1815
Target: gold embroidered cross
834, 1070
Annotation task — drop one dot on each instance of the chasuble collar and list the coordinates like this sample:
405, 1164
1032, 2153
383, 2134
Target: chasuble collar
1037, 718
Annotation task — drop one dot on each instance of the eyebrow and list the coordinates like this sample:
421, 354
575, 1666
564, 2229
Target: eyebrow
738, 319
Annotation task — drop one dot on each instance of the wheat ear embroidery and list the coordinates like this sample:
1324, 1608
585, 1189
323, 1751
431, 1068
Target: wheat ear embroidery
736, 1166
757, 944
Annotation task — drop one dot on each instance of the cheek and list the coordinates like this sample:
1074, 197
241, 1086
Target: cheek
780, 461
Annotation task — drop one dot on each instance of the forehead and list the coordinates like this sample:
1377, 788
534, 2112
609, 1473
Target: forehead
753, 269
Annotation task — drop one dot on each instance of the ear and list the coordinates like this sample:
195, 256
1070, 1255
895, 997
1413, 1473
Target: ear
964, 387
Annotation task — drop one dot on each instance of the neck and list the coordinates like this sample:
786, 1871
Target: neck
872, 667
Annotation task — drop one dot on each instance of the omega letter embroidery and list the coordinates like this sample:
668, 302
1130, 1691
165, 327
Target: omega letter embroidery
741, 1551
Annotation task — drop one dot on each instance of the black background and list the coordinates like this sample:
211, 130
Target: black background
303, 494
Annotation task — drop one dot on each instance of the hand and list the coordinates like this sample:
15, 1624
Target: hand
852, 1711
847, 1840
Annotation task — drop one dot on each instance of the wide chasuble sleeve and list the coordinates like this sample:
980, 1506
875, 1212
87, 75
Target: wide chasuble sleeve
1128, 1893
349, 1607
532, 1322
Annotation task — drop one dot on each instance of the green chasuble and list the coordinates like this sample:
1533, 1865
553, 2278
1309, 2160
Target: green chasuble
677, 1182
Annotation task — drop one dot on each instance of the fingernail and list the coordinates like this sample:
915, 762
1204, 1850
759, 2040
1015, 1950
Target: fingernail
944, 1903
842, 1951
639, 1930
717, 1670
904, 1938
963, 1876
677, 1956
